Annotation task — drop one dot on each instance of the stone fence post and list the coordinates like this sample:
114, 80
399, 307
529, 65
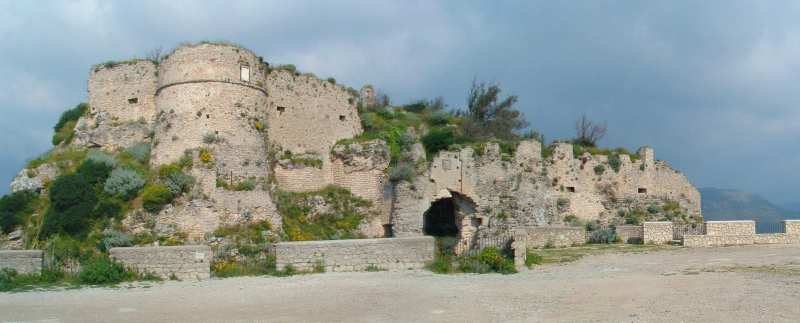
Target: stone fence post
520, 247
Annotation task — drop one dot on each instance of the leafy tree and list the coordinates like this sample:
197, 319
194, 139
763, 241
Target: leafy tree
95, 173
13, 207
488, 116
72, 200
588, 133
438, 139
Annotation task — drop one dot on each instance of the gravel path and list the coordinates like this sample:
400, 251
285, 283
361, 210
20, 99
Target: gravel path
734, 284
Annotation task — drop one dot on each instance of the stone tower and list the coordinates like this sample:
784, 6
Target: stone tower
212, 96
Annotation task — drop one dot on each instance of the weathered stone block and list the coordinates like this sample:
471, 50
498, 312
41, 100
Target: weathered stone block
184, 262
23, 261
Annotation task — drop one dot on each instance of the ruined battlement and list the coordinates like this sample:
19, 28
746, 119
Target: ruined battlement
208, 62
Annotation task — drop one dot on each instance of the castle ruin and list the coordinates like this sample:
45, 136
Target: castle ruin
240, 119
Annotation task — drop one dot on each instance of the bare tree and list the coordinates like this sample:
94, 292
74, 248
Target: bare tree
587, 133
156, 55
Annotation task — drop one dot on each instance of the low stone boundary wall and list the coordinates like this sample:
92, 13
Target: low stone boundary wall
657, 232
735, 233
357, 254
630, 233
184, 262
23, 261
698, 240
540, 237
730, 228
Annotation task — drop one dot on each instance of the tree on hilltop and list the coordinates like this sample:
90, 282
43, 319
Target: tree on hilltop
490, 116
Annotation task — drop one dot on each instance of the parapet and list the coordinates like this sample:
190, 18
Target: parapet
209, 62
123, 91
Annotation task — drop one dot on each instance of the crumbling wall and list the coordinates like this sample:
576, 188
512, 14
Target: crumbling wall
554, 236
309, 115
121, 105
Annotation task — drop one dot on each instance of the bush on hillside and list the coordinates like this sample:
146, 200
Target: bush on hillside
437, 140
103, 271
72, 200
95, 173
140, 152
13, 207
124, 183
155, 197
65, 127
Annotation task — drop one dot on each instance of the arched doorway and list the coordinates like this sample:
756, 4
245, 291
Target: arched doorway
440, 219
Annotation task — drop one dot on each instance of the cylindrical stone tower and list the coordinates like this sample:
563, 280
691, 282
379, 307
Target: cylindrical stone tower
212, 97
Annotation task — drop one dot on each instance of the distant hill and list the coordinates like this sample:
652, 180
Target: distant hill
727, 204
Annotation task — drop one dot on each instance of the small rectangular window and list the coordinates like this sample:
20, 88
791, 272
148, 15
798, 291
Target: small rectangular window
133, 100
245, 73
342, 118
642, 190
571, 189
281, 109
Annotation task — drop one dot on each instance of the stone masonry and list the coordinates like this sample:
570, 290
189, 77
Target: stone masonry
184, 262
23, 261
657, 232
356, 255
539, 237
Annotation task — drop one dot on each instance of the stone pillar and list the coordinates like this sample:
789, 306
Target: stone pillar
520, 247
792, 228
657, 232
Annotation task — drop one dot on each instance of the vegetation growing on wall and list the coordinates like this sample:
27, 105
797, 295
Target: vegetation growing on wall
329, 214
65, 127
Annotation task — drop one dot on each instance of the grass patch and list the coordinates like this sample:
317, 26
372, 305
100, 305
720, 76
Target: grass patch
565, 255
301, 222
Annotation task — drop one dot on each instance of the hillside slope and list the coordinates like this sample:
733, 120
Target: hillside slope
727, 204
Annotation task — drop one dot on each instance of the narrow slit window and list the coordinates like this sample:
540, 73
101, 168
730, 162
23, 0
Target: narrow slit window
245, 73
571, 189
642, 190
133, 100
281, 110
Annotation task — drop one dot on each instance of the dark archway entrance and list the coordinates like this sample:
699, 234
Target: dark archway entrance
440, 219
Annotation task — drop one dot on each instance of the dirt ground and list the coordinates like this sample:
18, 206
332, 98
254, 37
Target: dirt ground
733, 284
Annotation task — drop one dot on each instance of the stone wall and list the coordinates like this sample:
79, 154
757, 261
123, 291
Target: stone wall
309, 115
630, 233
657, 232
730, 228
527, 189
184, 262
23, 261
734, 233
356, 255
121, 105
539, 237
691, 240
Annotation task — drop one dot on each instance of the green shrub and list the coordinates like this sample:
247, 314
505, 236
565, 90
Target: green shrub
98, 156
108, 207
140, 152
635, 217
65, 127
615, 162
72, 200
441, 264
14, 207
438, 139
653, 209
10, 280
603, 236
532, 258
103, 271
175, 179
95, 173
341, 220
496, 261
439, 118
114, 238
402, 172
599, 170
331, 80
155, 196
124, 183
211, 137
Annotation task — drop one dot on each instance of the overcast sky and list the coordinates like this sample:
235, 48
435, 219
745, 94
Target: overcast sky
713, 86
